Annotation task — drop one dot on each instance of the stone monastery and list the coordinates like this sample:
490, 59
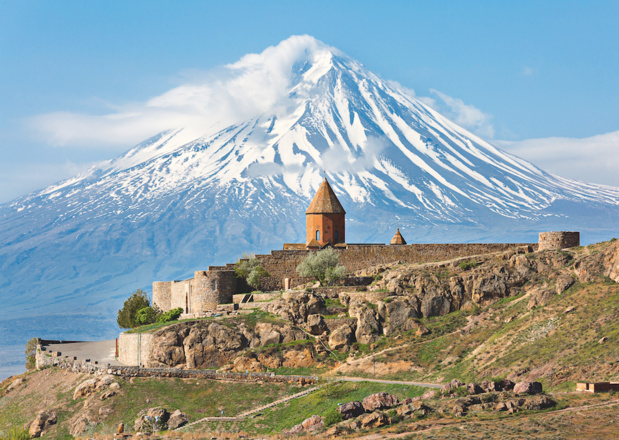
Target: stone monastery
209, 289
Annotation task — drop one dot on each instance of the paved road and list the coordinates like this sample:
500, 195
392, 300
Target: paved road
101, 351
396, 382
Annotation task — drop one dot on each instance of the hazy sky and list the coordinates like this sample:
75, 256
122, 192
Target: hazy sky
541, 78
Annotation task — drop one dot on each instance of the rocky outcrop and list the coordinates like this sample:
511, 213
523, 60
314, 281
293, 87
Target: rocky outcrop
341, 337
351, 409
177, 419
41, 423
310, 424
296, 306
528, 388
152, 418
379, 401
316, 325
85, 389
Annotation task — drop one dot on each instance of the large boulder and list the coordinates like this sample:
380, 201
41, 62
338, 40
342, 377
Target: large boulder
374, 420
268, 334
177, 419
528, 388
368, 325
316, 325
351, 409
41, 423
247, 363
313, 423
341, 337
298, 358
85, 389
379, 401
152, 418
399, 311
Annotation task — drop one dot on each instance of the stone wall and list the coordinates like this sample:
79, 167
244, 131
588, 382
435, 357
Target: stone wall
556, 240
162, 294
135, 349
283, 263
49, 359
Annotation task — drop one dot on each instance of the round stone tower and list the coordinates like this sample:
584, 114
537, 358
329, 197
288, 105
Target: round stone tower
325, 218
558, 240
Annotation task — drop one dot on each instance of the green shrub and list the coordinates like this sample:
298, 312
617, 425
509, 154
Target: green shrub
466, 265
323, 265
127, 316
249, 268
394, 417
30, 352
147, 315
332, 417
171, 315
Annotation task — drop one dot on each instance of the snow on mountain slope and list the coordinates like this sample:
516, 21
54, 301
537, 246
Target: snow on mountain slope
241, 180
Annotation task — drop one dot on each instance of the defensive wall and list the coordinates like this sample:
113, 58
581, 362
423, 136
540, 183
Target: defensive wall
218, 284
282, 264
46, 359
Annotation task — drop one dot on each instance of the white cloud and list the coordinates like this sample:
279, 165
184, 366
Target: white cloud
528, 71
466, 115
594, 159
255, 84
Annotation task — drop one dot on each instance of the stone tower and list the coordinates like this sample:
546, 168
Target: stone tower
325, 218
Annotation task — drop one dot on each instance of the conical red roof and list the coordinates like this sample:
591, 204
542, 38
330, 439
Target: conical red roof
325, 201
397, 238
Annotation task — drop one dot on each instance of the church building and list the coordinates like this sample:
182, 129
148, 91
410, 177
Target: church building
325, 219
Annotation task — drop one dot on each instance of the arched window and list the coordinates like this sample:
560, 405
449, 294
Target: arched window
317, 235
336, 235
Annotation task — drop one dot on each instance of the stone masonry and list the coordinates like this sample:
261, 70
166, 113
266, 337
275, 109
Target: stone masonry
556, 240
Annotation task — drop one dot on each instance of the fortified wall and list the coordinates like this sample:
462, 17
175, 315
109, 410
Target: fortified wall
282, 264
216, 286
199, 294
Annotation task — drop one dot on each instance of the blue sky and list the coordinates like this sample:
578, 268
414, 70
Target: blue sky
541, 78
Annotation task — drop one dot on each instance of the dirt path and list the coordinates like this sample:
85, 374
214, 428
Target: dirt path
396, 382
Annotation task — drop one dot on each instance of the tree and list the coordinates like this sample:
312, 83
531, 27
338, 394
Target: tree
127, 316
322, 265
31, 352
147, 315
249, 268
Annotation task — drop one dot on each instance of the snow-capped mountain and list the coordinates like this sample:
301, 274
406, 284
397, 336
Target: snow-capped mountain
180, 201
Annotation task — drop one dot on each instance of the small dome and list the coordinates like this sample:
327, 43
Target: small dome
397, 239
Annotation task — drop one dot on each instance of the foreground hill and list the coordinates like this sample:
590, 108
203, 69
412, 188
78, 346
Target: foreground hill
548, 316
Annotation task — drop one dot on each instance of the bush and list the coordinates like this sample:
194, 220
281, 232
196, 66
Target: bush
31, 351
466, 265
170, 315
127, 316
332, 417
147, 315
249, 268
322, 265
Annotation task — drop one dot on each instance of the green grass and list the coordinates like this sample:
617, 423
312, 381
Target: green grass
197, 398
322, 402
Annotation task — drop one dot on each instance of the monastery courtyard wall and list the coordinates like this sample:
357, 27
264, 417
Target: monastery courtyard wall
282, 264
